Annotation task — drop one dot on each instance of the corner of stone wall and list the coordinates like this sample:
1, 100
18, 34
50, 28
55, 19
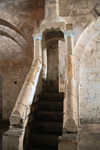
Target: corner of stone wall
68, 142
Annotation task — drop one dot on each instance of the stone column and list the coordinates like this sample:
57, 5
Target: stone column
70, 119
51, 7
44, 61
37, 46
13, 140
69, 140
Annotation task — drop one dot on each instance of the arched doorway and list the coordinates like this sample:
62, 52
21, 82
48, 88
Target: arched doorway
51, 60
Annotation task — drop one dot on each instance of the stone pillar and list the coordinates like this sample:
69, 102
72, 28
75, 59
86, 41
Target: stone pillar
37, 46
69, 139
51, 7
44, 61
13, 140
70, 119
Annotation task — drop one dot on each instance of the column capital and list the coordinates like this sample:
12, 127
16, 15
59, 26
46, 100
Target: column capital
68, 33
37, 36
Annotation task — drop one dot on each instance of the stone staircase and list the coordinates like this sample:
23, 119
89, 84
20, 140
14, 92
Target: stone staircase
47, 126
4, 126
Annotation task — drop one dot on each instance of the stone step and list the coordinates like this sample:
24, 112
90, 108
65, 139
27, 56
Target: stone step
52, 96
50, 116
0, 116
47, 127
43, 148
4, 126
50, 105
44, 140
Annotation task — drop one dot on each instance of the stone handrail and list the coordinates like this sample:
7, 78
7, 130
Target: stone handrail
25, 99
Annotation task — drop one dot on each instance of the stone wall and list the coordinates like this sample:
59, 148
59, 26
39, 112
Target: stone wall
0, 95
61, 66
83, 14
89, 90
12, 81
52, 66
18, 21
79, 13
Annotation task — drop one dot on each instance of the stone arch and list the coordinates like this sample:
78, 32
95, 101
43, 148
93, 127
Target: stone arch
52, 39
9, 30
60, 39
52, 32
89, 83
84, 39
9, 36
7, 24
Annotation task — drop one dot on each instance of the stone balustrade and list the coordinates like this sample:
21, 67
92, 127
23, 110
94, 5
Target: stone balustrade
13, 138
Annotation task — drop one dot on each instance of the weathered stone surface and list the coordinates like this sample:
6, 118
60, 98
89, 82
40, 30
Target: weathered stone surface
51, 7
89, 83
61, 66
68, 142
19, 19
13, 139
88, 137
52, 67
12, 81
70, 119
27, 94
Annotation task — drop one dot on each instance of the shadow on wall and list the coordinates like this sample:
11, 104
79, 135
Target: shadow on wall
0, 97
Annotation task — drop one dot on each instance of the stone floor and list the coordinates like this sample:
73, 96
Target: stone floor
4, 125
89, 137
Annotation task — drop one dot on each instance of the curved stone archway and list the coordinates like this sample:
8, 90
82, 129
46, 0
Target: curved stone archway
81, 48
10, 31
86, 36
90, 83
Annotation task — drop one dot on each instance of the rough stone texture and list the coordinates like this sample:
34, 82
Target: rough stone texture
70, 117
61, 66
51, 7
86, 36
13, 79
31, 87
89, 136
89, 94
18, 20
25, 15
13, 139
80, 13
52, 67
68, 142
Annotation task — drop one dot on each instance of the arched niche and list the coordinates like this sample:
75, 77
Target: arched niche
52, 29
51, 59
